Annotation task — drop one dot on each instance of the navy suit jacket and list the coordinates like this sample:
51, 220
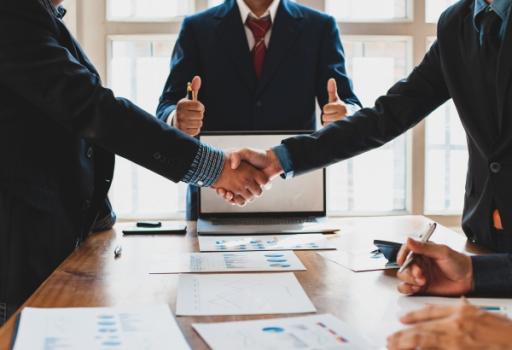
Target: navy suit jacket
59, 130
451, 69
304, 52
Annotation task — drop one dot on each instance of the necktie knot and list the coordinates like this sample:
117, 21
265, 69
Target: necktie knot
490, 24
259, 27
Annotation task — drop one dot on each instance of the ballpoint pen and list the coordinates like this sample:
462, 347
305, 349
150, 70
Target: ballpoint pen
424, 239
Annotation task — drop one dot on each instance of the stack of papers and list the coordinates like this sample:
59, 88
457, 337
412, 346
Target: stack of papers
129, 328
319, 332
241, 294
229, 262
279, 242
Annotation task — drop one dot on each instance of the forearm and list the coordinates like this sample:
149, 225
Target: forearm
492, 275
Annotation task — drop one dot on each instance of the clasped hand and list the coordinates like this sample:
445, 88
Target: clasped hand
246, 174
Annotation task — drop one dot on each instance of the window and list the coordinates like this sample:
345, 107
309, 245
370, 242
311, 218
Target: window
369, 10
420, 172
352, 184
436, 7
446, 160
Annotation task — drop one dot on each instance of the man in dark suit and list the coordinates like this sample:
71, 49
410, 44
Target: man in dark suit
59, 131
259, 65
471, 63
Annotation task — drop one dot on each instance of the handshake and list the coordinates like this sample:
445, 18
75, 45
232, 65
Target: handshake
246, 174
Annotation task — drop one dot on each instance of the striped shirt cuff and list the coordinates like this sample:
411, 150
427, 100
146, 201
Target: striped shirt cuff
206, 167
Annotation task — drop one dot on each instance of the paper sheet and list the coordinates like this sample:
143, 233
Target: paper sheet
120, 328
277, 242
359, 261
318, 332
241, 294
229, 262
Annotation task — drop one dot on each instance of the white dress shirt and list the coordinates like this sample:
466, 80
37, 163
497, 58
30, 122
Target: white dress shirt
245, 12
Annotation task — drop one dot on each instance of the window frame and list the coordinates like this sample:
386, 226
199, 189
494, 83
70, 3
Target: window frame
86, 14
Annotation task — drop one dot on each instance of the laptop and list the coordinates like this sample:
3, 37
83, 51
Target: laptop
291, 206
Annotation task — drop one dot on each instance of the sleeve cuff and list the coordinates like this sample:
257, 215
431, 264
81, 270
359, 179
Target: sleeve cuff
492, 275
206, 167
285, 159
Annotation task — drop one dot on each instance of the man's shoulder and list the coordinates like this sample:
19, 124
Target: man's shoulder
307, 13
455, 13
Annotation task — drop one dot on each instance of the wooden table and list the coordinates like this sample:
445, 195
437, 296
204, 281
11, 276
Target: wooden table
92, 277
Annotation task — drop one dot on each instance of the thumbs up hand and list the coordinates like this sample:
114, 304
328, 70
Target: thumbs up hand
190, 113
335, 109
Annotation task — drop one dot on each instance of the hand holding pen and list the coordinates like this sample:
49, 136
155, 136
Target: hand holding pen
433, 269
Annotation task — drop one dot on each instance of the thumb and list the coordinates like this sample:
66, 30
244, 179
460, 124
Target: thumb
430, 250
235, 160
332, 90
196, 84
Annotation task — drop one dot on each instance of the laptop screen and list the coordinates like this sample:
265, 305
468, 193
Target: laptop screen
303, 195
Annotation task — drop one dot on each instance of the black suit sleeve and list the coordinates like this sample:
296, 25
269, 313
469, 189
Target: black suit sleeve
405, 105
184, 65
332, 65
35, 66
492, 275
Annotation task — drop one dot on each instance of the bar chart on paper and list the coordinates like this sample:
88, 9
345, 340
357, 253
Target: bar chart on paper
228, 262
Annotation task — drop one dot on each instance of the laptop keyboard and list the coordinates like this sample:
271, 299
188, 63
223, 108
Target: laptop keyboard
265, 221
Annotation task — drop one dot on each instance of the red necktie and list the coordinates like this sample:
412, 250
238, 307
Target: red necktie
259, 28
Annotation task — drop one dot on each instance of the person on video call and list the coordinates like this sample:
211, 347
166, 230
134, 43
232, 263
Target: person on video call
256, 65
59, 131
471, 63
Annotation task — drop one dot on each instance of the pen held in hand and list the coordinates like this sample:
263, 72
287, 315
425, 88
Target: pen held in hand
424, 239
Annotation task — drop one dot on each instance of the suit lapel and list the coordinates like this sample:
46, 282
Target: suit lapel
285, 31
470, 49
232, 37
504, 71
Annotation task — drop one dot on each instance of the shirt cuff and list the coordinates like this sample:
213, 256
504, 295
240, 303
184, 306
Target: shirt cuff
492, 275
352, 109
285, 159
206, 167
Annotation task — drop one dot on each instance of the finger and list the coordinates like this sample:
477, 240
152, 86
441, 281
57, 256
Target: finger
188, 105
246, 195
402, 254
255, 189
332, 90
261, 179
414, 338
406, 276
229, 196
239, 200
192, 124
235, 160
408, 289
221, 192
428, 313
336, 108
428, 249
417, 275
196, 86
193, 131
329, 118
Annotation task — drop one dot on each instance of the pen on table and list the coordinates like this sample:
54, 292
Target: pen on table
191, 94
424, 239
117, 251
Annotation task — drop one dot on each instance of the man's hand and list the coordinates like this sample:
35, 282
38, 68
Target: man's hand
265, 161
244, 183
189, 114
462, 327
335, 109
436, 270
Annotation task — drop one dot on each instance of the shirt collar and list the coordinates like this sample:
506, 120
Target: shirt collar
501, 7
245, 11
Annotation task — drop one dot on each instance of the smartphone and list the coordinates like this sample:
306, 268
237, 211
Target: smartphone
165, 229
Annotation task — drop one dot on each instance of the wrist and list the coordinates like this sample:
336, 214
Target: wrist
275, 165
469, 284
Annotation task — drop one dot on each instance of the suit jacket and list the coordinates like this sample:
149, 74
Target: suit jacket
451, 69
304, 52
59, 130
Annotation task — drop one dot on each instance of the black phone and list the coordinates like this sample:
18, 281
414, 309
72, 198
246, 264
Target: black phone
165, 229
